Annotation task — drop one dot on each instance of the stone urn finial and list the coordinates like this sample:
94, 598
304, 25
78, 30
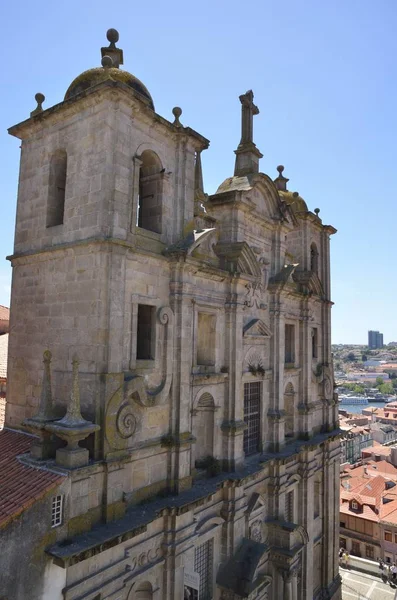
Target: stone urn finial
73, 428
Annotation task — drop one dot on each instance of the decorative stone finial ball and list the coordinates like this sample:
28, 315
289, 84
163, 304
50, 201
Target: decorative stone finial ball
47, 355
280, 169
107, 62
112, 36
295, 194
317, 210
176, 111
39, 98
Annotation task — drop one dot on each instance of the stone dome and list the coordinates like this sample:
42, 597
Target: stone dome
294, 200
92, 77
112, 58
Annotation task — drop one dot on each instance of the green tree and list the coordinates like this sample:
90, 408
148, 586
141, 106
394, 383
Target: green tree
351, 357
364, 357
386, 388
359, 388
378, 381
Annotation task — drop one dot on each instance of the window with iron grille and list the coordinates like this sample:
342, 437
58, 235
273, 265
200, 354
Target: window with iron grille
203, 562
252, 402
56, 512
369, 552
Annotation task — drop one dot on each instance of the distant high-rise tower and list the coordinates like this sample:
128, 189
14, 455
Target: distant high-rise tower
375, 339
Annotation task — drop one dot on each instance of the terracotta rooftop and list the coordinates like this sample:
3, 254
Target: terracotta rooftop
3, 355
388, 512
378, 450
367, 513
4, 313
20, 485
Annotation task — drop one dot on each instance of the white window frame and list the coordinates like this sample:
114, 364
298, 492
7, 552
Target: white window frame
354, 505
57, 511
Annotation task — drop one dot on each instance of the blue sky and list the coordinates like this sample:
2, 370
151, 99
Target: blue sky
324, 77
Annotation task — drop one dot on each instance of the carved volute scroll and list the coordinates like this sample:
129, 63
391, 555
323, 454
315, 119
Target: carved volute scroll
125, 404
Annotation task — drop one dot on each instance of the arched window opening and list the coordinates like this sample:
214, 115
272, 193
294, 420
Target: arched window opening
289, 407
149, 212
144, 591
57, 188
314, 258
203, 427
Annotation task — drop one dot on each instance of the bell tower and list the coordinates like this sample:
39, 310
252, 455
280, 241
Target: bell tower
103, 179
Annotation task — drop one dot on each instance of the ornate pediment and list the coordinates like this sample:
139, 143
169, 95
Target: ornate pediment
308, 282
256, 328
238, 257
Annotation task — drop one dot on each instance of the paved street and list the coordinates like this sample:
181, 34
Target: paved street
359, 586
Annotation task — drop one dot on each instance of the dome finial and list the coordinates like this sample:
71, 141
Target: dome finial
116, 54
113, 37
281, 181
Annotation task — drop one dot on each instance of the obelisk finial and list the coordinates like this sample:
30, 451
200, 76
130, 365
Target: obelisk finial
45, 412
73, 415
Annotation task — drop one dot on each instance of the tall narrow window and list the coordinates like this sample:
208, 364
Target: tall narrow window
314, 342
56, 189
289, 506
203, 565
206, 324
317, 498
252, 402
289, 407
149, 210
203, 427
314, 258
145, 332
289, 343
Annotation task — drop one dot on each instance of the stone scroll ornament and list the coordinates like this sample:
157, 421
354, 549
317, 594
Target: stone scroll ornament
136, 387
121, 411
126, 421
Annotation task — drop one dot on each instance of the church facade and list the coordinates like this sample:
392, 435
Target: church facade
186, 408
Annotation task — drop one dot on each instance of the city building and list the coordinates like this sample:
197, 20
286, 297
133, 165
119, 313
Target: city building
375, 340
353, 440
169, 355
382, 433
368, 511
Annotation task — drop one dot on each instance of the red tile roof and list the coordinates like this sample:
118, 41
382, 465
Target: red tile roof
3, 355
388, 512
367, 513
20, 485
4, 313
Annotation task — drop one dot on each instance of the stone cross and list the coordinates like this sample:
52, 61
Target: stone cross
248, 110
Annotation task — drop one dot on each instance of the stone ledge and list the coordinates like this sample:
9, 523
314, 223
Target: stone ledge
137, 518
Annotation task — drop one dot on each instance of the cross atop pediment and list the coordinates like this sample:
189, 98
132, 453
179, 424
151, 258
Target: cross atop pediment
247, 154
